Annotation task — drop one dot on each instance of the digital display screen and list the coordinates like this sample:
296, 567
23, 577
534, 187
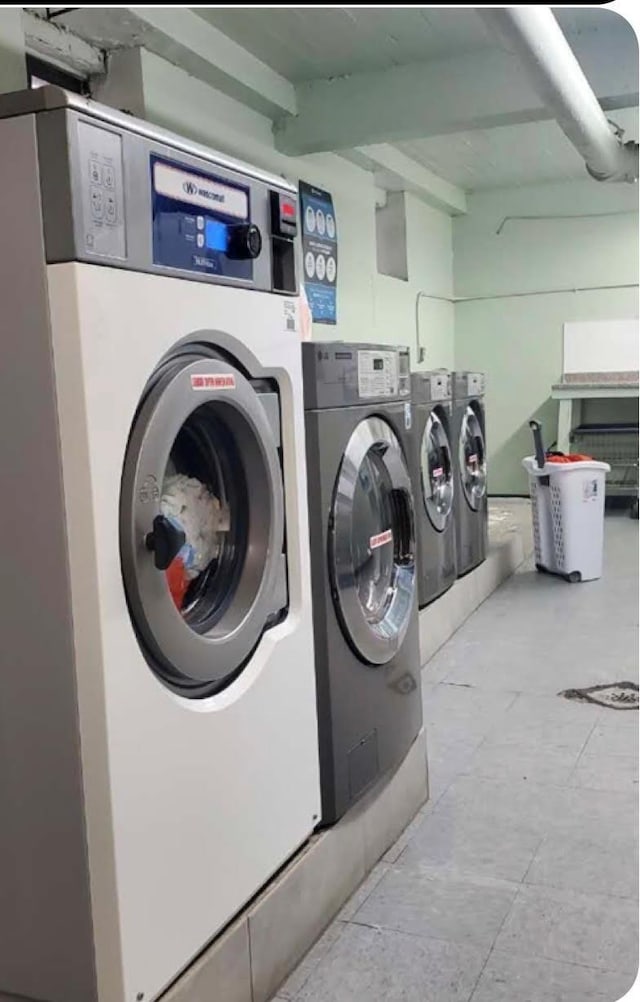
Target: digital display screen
378, 364
216, 235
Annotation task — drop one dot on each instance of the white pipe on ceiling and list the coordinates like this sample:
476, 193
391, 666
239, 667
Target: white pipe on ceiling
534, 35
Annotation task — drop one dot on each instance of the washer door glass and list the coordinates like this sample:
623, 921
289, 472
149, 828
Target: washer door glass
472, 458
372, 547
436, 472
202, 523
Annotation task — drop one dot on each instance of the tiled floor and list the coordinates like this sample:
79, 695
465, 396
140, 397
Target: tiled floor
518, 881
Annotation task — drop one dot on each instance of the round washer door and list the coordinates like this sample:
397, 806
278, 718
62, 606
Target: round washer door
201, 523
372, 546
472, 458
436, 472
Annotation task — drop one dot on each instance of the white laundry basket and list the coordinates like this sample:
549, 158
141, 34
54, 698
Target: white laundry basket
567, 501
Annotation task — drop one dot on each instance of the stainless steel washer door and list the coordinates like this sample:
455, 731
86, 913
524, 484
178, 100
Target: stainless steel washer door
372, 545
436, 472
472, 458
201, 523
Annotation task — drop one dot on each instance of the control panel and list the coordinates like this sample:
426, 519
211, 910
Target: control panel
475, 384
100, 158
202, 223
115, 191
337, 374
439, 385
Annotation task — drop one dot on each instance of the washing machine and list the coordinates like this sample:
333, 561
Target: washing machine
432, 474
363, 568
157, 697
470, 458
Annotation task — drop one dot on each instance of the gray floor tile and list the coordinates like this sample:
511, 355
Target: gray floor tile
377, 965
493, 716
606, 772
616, 739
606, 866
363, 892
547, 765
396, 850
472, 842
531, 711
574, 928
521, 805
540, 734
508, 978
448, 758
458, 909
308, 964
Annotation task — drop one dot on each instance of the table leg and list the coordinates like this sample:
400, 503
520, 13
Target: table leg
565, 419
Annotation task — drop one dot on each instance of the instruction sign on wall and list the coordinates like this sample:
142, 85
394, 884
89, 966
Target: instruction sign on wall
319, 252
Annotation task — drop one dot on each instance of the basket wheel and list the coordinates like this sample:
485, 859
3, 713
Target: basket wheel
574, 577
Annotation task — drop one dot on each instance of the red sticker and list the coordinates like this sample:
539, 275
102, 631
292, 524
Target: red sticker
380, 539
472, 459
438, 472
206, 381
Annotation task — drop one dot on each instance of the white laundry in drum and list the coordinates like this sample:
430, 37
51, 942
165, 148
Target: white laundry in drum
200, 515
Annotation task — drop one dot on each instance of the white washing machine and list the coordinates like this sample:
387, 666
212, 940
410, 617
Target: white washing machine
157, 701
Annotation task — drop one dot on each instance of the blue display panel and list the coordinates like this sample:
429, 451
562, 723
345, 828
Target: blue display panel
193, 216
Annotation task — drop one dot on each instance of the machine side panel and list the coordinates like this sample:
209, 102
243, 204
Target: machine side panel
46, 947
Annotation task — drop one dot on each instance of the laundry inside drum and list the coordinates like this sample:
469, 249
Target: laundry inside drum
204, 495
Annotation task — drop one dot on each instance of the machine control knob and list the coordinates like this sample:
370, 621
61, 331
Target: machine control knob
245, 242
166, 540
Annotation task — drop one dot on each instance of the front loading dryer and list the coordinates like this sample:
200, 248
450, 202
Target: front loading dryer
432, 471
470, 457
363, 564
157, 704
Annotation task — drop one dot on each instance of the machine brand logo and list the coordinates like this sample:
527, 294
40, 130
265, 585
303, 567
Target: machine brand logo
171, 182
192, 188
380, 539
213, 381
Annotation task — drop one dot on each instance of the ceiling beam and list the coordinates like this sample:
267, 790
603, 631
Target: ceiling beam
394, 171
188, 41
479, 90
55, 44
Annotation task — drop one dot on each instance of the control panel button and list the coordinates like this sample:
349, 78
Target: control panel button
95, 172
110, 208
245, 242
200, 239
200, 222
97, 204
108, 177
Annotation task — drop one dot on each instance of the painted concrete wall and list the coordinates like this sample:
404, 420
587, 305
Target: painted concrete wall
13, 72
517, 339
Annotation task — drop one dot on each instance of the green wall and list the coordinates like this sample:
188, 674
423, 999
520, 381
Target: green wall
511, 328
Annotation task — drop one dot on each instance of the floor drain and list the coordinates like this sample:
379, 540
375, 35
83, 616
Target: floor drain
618, 696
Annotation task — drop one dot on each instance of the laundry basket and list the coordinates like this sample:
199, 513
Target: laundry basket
567, 502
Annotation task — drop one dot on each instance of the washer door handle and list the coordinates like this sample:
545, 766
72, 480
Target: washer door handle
166, 540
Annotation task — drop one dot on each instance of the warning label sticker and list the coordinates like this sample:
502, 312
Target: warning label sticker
213, 381
590, 489
380, 539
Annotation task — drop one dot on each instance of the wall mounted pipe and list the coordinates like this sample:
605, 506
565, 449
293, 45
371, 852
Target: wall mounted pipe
534, 35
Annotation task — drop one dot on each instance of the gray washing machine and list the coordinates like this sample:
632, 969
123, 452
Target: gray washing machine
470, 458
363, 569
432, 472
